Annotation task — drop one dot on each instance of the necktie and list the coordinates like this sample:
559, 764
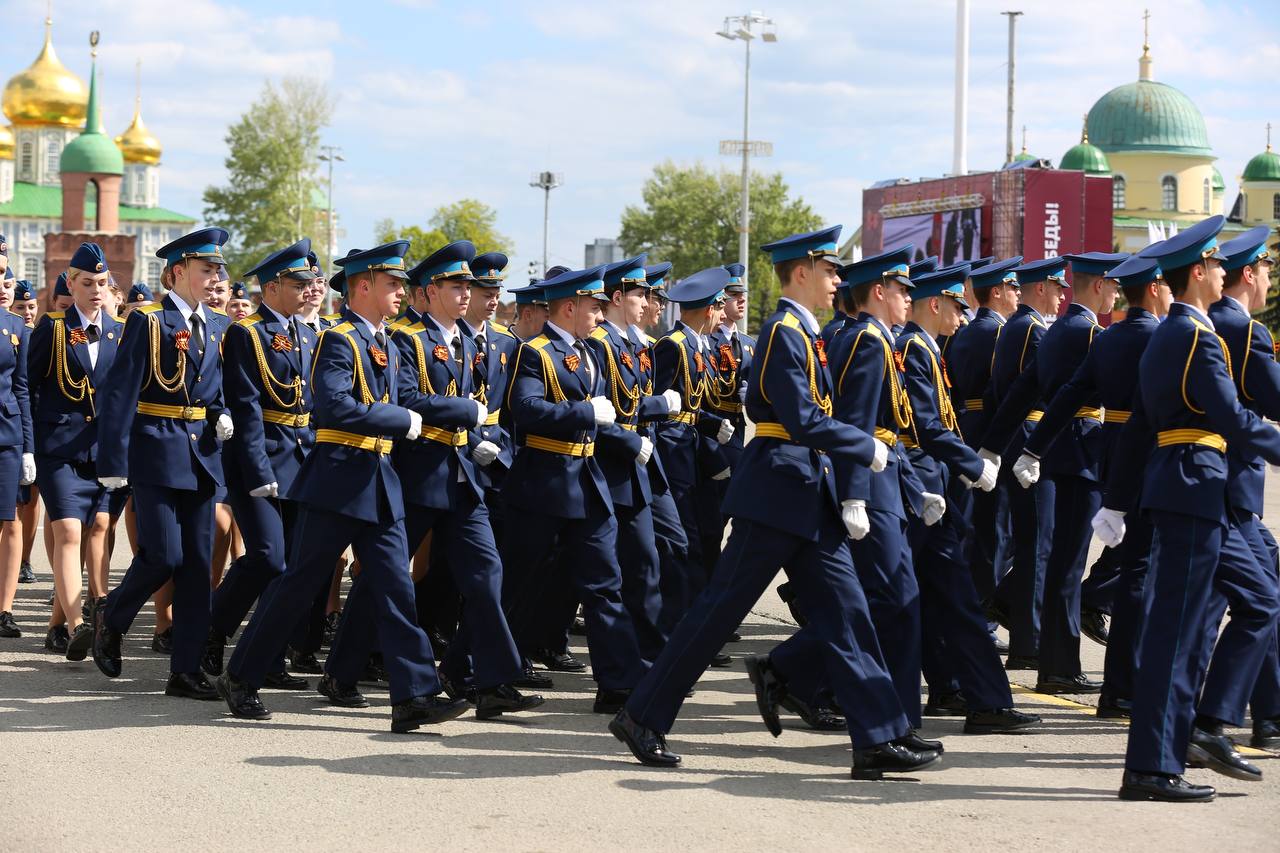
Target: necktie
585, 358
197, 336
456, 344
293, 333
380, 338
315, 327
91, 333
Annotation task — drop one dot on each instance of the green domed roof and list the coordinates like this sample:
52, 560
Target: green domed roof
1264, 167
92, 151
1086, 157
1148, 116
1219, 185
1022, 156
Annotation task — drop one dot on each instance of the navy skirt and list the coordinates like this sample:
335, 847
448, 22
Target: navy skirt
10, 473
71, 489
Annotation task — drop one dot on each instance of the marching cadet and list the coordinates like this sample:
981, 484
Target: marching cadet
555, 492
239, 305
1069, 462
1174, 449
17, 453
61, 294
162, 423
25, 304
442, 493
1015, 387
349, 496
71, 355
786, 513
1109, 377
531, 311
139, 295
312, 298
267, 359
970, 355
626, 455
732, 353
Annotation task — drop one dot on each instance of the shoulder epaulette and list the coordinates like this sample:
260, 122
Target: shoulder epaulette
117, 319
151, 309
332, 318
341, 328
790, 320
397, 323
650, 339
875, 330
500, 329
539, 342
677, 336
216, 310
413, 328
55, 315
599, 333
251, 320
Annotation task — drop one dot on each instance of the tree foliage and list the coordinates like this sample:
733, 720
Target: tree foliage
689, 216
466, 219
272, 196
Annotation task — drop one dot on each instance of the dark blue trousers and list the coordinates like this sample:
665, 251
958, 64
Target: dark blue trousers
588, 551
1075, 502
641, 577
686, 576
1021, 591
265, 525
1265, 702
673, 559
382, 595
175, 542
822, 573
1128, 607
988, 546
1101, 586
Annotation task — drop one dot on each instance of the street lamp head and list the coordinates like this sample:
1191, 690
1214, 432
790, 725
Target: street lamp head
725, 34
744, 34
770, 34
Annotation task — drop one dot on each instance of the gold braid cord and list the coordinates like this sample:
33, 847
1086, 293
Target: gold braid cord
358, 381
552, 381
74, 390
269, 381
424, 378
692, 394
946, 411
823, 402
899, 403
618, 390
168, 384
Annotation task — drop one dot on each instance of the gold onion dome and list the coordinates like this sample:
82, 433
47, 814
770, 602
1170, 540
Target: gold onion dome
137, 144
46, 93
6, 143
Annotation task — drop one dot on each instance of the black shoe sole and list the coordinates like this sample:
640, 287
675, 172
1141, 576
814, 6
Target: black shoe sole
1143, 795
199, 697
1111, 714
529, 704
1055, 690
346, 703
1198, 756
78, 651
980, 729
875, 774
767, 714
1265, 742
443, 715
643, 757
225, 696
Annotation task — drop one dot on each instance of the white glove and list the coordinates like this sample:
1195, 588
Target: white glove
880, 457
484, 453
482, 413
723, 475
223, 427
990, 470
674, 403
854, 515
935, 506
415, 425
113, 483
726, 432
742, 392
604, 411
987, 454
1108, 525
1027, 470
270, 490
28, 469
646, 450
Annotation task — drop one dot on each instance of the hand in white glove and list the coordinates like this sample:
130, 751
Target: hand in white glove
726, 432
988, 455
742, 392
223, 427
1027, 470
646, 450
113, 483
484, 453
854, 515
604, 411
880, 457
990, 470
674, 403
1108, 525
935, 506
415, 425
270, 490
723, 475
28, 469
482, 413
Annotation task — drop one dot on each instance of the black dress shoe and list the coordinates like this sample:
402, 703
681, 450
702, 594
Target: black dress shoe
1218, 753
995, 612
1002, 648
282, 680
26, 574
343, 697
106, 645
190, 685
494, 701
649, 747
559, 661
162, 643
721, 660
304, 662
8, 628
1022, 662
80, 641
998, 722
1055, 684
946, 705
1093, 624
214, 648
1266, 734
57, 638
788, 595
534, 680
876, 761
424, 711
610, 701
579, 627
815, 716
769, 691
439, 644
1165, 789
455, 689
735, 637
912, 740
374, 671
242, 700
1111, 707
331, 621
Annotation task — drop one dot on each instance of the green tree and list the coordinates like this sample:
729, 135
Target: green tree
272, 196
466, 219
689, 216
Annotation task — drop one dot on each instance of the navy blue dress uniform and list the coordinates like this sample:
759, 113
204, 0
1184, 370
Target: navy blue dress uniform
784, 505
267, 369
970, 356
957, 652
68, 362
443, 494
732, 353
496, 347
1187, 414
625, 472
160, 414
16, 437
556, 494
1108, 378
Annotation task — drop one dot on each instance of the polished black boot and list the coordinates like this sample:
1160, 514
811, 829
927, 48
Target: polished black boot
891, 757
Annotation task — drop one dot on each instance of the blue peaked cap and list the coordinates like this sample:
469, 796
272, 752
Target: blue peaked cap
388, 258
290, 262
1134, 270
700, 289
629, 273
1095, 263
1249, 247
894, 264
999, 272
944, 282
587, 282
451, 261
205, 244
487, 268
1046, 269
820, 245
656, 275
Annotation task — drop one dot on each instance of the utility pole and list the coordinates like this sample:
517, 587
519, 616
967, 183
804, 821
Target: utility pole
960, 152
330, 154
1008, 122
546, 181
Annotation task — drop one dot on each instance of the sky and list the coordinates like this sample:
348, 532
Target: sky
438, 100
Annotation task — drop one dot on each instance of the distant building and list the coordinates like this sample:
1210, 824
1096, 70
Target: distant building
605, 250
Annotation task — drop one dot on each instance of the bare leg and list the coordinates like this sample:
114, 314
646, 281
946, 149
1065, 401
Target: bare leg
97, 554
65, 558
222, 543
29, 515
10, 561
164, 607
